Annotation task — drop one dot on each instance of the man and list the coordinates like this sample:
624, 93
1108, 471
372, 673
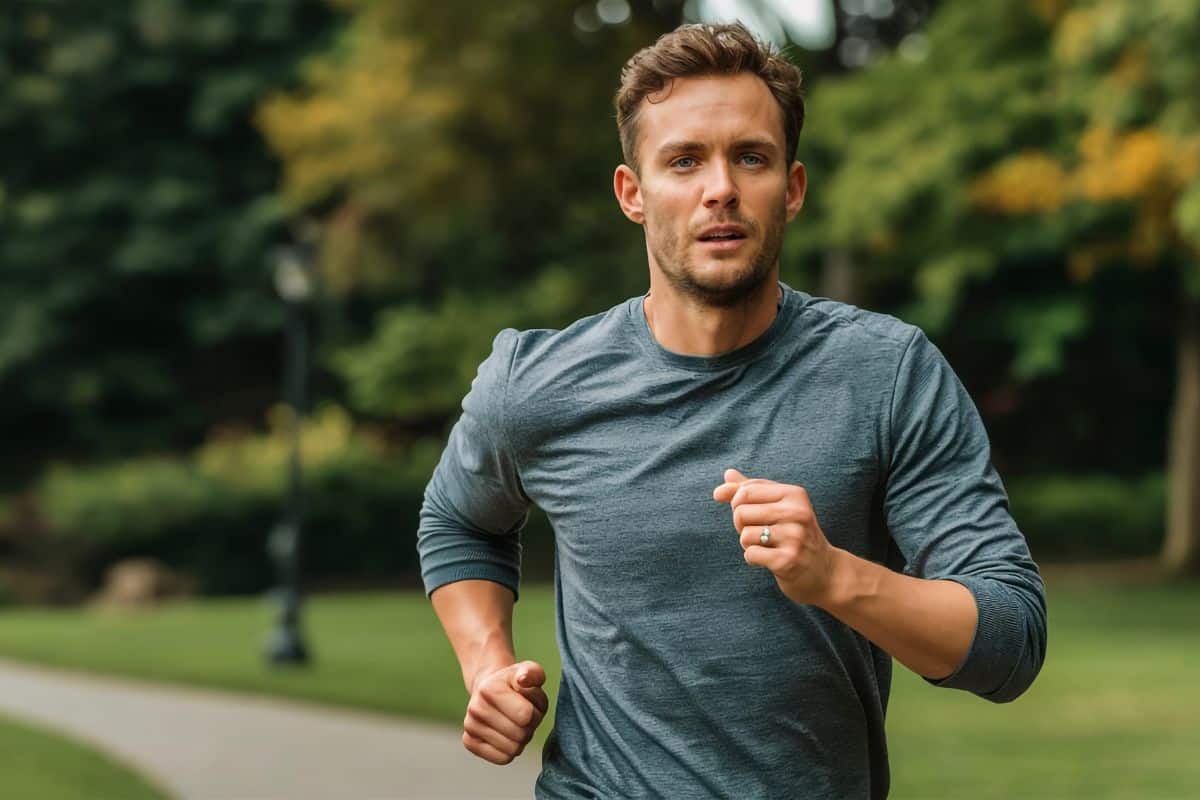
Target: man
759, 496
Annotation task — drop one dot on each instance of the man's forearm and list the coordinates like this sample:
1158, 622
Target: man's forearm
477, 618
927, 625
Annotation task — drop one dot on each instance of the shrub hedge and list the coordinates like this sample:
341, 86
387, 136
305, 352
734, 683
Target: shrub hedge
1090, 517
210, 514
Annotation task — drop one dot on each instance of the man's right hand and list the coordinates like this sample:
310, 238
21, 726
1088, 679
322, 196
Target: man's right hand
506, 707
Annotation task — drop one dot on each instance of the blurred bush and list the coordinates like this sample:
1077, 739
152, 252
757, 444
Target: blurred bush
419, 362
209, 514
1090, 516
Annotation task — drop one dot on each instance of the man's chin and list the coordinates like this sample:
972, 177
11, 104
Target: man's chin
724, 283
719, 270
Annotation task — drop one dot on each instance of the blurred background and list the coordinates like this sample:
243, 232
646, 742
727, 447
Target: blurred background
251, 254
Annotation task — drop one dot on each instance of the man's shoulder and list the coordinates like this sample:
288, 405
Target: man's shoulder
850, 324
590, 334
558, 363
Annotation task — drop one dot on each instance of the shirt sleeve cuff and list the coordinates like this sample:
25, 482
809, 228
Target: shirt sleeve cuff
998, 646
440, 576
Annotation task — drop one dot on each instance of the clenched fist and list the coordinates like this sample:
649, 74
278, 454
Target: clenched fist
505, 709
796, 551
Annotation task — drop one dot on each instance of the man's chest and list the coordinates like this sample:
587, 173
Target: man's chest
631, 477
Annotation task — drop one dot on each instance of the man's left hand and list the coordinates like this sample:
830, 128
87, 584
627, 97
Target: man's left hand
797, 552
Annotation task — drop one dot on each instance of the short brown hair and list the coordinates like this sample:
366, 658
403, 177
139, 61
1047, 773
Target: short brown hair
698, 49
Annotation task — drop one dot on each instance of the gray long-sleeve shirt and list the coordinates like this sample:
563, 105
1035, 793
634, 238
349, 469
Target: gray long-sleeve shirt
686, 671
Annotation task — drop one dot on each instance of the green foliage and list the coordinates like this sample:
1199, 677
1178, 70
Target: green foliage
136, 208
210, 514
1041, 328
1089, 516
419, 363
486, 155
902, 139
128, 501
940, 283
1032, 135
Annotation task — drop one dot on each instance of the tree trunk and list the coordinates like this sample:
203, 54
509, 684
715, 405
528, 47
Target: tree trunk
1181, 550
838, 278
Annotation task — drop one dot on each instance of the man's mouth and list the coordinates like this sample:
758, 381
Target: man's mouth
722, 233
722, 237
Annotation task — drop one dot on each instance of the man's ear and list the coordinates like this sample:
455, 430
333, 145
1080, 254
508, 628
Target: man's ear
628, 189
797, 185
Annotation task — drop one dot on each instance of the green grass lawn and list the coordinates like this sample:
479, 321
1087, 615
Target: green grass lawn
37, 765
1115, 712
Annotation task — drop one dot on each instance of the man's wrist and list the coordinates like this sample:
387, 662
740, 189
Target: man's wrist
487, 664
848, 581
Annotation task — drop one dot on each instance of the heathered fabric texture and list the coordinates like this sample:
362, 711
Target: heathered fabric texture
686, 672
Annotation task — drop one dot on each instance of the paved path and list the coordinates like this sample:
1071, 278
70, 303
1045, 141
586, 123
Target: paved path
208, 745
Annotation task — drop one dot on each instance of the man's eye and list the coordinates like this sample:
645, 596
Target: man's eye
684, 161
753, 159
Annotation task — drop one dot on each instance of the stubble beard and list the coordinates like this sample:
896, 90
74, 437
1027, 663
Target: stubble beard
675, 259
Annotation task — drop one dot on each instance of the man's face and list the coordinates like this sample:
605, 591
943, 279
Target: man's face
716, 187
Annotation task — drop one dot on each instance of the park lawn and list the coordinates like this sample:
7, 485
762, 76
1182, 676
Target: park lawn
1112, 715
38, 765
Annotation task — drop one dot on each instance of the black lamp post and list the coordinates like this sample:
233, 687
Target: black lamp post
294, 282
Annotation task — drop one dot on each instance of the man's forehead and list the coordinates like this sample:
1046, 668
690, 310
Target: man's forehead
743, 91
699, 108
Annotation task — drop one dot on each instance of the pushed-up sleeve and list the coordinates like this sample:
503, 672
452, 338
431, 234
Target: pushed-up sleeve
474, 506
948, 512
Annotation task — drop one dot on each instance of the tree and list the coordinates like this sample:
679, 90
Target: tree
137, 205
1036, 148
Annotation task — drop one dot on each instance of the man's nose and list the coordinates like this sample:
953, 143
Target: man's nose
721, 190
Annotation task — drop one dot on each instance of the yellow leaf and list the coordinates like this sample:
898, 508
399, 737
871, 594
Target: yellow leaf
1028, 182
1121, 167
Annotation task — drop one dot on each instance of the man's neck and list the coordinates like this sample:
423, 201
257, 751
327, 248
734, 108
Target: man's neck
688, 328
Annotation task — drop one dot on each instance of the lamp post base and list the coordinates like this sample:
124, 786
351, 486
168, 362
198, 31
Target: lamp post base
286, 647
286, 644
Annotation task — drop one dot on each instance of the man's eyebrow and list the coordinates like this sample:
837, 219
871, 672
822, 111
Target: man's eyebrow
755, 144
680, 146
684, 146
